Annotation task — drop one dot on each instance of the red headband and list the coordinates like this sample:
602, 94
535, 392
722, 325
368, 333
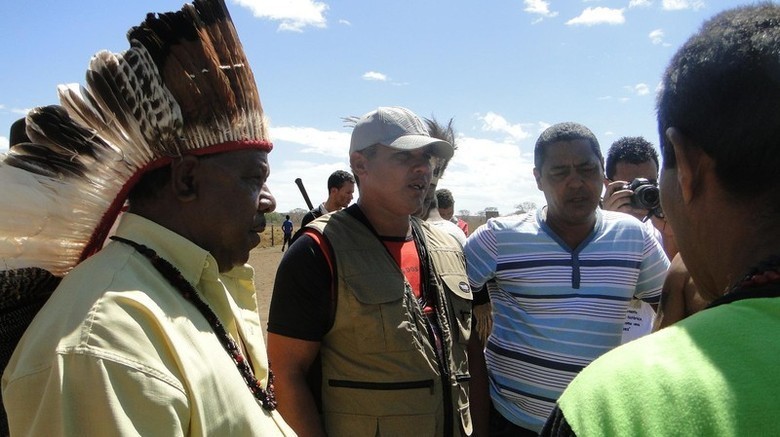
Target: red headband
109, 217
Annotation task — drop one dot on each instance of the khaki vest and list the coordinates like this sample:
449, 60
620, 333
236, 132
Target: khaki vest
381, 375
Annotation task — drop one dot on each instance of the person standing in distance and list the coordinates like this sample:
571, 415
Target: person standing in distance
341, 187
287, 230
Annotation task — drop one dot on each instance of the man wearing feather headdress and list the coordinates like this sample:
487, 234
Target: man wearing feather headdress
158, 332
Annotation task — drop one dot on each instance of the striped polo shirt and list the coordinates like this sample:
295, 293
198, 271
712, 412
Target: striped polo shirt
556, 309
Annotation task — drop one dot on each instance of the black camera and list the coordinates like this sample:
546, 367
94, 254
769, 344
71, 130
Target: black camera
646, 194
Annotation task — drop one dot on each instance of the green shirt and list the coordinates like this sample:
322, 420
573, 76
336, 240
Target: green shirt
712, 374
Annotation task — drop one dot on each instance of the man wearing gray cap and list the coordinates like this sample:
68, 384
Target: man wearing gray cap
377, 300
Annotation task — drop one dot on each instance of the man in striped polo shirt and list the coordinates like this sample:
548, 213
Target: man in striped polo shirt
565, 275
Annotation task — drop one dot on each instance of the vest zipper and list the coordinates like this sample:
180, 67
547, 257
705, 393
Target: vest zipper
368, 385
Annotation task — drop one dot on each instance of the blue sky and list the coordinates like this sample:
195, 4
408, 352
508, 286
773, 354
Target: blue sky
503, 69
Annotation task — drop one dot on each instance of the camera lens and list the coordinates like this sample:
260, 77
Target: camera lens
646, 197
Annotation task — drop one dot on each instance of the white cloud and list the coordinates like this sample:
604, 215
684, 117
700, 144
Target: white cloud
307, 153
677, 5
315, 141
485, 173
345, 22
294, 15
373, 75
20, 111
641, 89
493, 122
639, 3
656, 36
598, 15
604, 98
539, 7
3, 144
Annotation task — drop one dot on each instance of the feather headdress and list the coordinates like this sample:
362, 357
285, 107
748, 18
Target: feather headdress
183, 87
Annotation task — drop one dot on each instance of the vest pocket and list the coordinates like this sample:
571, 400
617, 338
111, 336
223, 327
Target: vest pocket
385, 323
460, 298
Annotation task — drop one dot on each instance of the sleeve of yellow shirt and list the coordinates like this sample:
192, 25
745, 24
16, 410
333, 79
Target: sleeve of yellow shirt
115, 399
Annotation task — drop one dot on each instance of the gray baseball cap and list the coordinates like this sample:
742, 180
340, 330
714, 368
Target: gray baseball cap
396, 127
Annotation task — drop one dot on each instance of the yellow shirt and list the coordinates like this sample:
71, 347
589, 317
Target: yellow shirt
118, 351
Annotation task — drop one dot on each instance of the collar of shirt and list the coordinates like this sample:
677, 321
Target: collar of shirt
229, 294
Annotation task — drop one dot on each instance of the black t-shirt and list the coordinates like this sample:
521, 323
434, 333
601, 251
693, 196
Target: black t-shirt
302, 302
311, 215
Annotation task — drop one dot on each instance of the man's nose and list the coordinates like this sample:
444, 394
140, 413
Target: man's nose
267, 201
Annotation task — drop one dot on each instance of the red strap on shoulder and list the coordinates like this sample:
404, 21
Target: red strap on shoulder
323, 245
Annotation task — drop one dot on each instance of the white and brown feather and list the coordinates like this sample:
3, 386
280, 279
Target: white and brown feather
183, 84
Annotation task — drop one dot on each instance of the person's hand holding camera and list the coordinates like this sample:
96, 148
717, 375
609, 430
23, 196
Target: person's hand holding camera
618, 198
636, 198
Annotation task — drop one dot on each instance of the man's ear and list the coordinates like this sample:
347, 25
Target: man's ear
693, 165
359, 164
183, 181
538, 177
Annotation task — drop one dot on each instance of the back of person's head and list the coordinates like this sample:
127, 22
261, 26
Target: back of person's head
442, 132
567, 131
721, 91
338, 178
631, 150
444, 198
287, 217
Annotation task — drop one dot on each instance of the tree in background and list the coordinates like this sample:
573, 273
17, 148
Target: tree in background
525, 207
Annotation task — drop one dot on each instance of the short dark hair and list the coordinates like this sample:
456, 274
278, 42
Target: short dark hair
287, 216
444, 198
338, 178
567, 131
721, 90
633, 150
442, 132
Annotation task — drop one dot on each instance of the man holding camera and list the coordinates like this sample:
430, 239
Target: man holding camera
564, 276
631, 187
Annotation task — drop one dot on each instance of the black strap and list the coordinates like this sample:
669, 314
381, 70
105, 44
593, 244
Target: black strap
765, 291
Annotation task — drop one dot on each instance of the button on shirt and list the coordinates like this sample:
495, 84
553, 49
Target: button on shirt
118, 351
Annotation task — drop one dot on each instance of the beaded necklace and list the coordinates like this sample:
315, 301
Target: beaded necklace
765, 272
754, 284
265, 397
